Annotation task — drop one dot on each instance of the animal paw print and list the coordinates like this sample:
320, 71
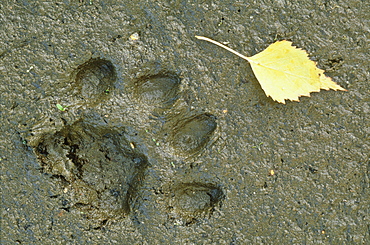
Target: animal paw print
193, 201
101, 168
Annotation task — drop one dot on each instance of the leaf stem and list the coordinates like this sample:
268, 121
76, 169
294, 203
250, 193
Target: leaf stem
225, 47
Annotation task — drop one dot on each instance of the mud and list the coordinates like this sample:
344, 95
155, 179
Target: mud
98, 170
166, 139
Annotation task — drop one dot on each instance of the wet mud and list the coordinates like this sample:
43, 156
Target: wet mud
98, 170
160, 90
95, 78
164, 139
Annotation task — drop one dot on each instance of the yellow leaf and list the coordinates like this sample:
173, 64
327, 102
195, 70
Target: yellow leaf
285, 72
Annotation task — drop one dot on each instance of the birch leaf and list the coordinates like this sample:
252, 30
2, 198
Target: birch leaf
285, 72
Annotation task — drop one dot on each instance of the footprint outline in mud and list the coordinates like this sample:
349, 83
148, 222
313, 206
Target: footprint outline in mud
101, 167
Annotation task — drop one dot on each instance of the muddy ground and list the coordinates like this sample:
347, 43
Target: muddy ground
161, 138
